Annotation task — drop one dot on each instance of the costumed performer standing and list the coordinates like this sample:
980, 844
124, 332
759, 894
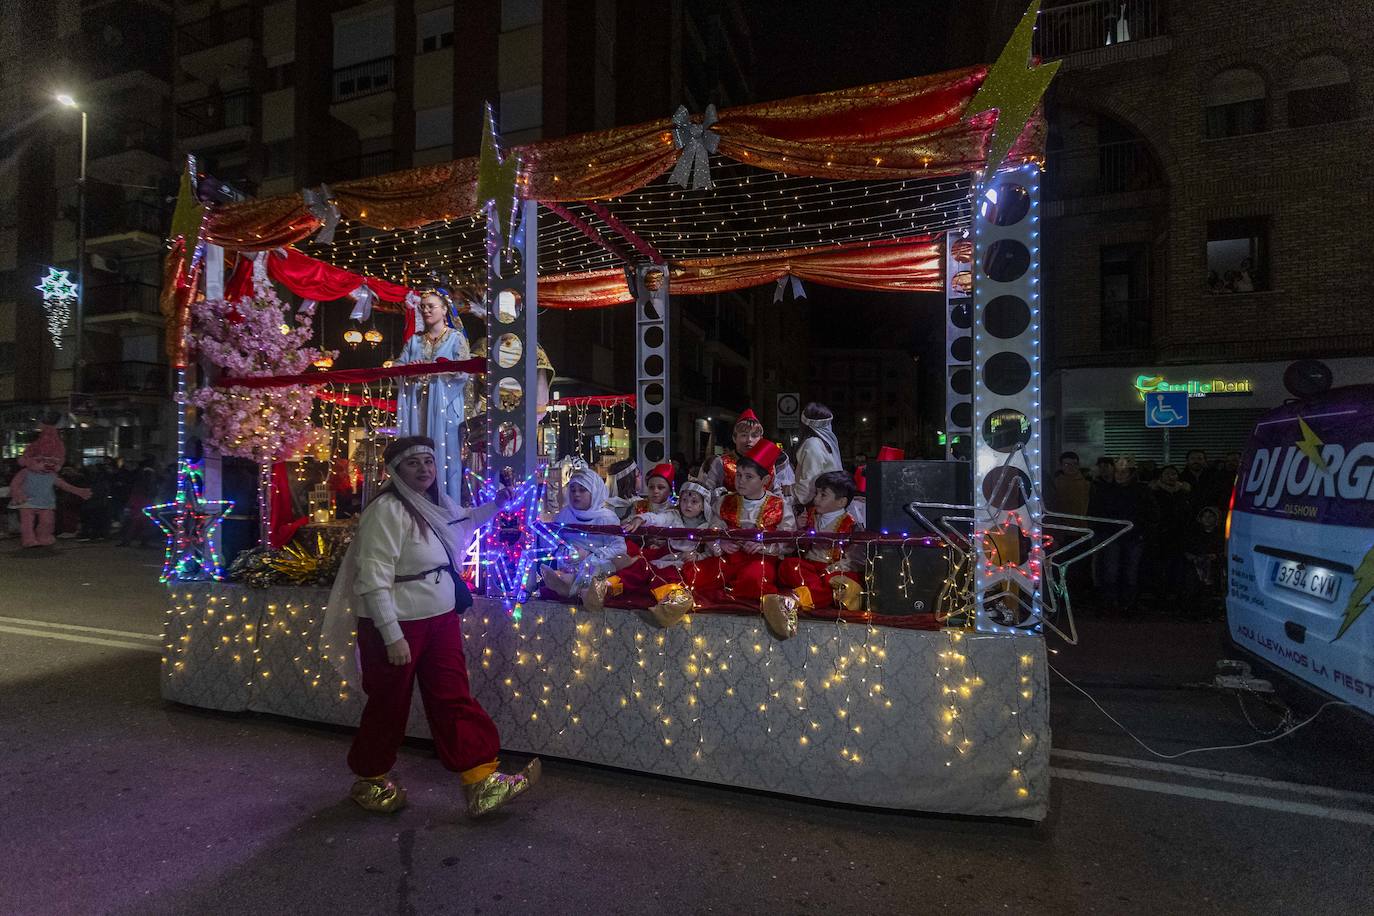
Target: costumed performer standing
818, 454
33, 489
432, 405
402, 567
584, 503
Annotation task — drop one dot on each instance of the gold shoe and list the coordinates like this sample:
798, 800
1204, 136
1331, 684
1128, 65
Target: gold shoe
848, 594
780, 613
500, 788
674, 603
594, 597
379, 794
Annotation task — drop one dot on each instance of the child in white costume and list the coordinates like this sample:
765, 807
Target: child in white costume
584, 503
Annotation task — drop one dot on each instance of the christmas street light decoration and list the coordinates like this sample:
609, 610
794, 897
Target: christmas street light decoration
59, 292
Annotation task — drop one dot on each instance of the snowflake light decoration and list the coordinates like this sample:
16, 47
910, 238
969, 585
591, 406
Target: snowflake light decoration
59, 292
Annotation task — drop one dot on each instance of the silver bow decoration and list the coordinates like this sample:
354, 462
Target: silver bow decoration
697, 142
322, 207
798, 291
363, 300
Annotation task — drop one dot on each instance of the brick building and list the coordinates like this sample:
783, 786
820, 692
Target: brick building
1206, 209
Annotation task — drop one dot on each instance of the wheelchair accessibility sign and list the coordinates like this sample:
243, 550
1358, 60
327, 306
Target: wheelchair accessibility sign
1166, 409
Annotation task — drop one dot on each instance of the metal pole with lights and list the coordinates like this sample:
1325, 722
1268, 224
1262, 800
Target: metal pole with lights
79, 356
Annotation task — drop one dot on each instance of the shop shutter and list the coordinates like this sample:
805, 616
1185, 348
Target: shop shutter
1214, 431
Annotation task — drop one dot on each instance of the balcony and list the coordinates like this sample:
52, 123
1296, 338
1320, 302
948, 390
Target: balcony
1126, 167
127, 229
1126, 324
364, 79
123, 306
216, 120
126, 378
209, 47
364, 93
362, 166
134, 137
1097, 32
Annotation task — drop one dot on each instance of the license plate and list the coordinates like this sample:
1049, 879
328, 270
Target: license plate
1309, 580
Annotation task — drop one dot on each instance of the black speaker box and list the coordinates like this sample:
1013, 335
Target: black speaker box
892, 486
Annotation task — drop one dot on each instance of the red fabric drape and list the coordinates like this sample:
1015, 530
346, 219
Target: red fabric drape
283, 523
897, 265
913, 128
354, 400
313, 279
353, 376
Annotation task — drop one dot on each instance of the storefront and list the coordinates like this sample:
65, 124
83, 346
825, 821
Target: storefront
1101, 411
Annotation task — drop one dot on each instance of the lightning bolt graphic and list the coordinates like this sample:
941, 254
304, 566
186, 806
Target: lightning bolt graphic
1311, 446
1013, 88
1359, 595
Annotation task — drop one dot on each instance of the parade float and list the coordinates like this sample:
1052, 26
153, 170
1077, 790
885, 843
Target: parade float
928, 184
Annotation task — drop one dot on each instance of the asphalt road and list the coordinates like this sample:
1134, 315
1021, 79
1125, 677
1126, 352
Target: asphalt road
116, 802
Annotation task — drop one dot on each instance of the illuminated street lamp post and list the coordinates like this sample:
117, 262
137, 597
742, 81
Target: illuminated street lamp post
79, 357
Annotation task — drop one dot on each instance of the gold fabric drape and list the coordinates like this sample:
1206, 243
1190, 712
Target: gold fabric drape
911, 264
909, 128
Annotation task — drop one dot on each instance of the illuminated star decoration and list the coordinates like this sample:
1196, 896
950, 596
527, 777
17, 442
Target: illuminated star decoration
189, 524
1012, 88
496, 180
516, 542
59, 292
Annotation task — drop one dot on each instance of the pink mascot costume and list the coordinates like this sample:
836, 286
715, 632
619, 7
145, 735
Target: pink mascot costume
33, 489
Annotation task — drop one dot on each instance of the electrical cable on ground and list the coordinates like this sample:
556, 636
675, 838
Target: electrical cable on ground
1195, 750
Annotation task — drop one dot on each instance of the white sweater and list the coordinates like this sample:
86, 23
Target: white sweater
813, 460
390, 545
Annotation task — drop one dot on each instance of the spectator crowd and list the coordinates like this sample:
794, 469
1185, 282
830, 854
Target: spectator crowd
1173, 555
120, 491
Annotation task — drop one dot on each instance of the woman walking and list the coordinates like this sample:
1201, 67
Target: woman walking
400, 576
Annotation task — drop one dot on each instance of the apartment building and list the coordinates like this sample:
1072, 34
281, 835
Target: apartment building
1205, 211
874, 396
115, 59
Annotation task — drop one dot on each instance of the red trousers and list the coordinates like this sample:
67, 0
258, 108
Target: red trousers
797, 572
464, 734
640, 578
749, 576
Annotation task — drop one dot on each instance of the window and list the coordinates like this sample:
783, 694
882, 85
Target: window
434, 29
1235, 103
516, 14
522, 109
281, 158
1321, 93
1238, 255
433, 127
1125, 307
7, 286
281, 76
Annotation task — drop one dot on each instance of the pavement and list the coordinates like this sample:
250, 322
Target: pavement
118, 802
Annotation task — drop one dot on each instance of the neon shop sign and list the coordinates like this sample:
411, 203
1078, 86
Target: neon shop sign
1196, 388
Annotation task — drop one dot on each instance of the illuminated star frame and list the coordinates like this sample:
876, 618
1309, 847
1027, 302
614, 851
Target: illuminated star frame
189, 524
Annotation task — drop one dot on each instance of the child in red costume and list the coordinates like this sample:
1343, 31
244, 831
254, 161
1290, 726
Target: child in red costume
665, 583
825, 573
750, 568
748, 433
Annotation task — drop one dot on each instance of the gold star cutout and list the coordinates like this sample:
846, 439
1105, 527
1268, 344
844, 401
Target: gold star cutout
1013, 88
496, 178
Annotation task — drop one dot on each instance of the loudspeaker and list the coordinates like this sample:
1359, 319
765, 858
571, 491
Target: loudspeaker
892, 486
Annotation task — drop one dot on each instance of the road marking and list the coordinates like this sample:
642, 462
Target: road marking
1233, 798
45, 624
1136, 763
75, 637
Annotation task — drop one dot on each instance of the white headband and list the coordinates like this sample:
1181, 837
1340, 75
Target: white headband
692, 486
624, 472
413, 450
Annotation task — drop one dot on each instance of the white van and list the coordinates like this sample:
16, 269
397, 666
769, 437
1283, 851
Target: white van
1300, 537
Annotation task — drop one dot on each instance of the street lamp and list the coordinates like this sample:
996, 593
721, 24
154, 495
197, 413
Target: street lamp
79, 358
